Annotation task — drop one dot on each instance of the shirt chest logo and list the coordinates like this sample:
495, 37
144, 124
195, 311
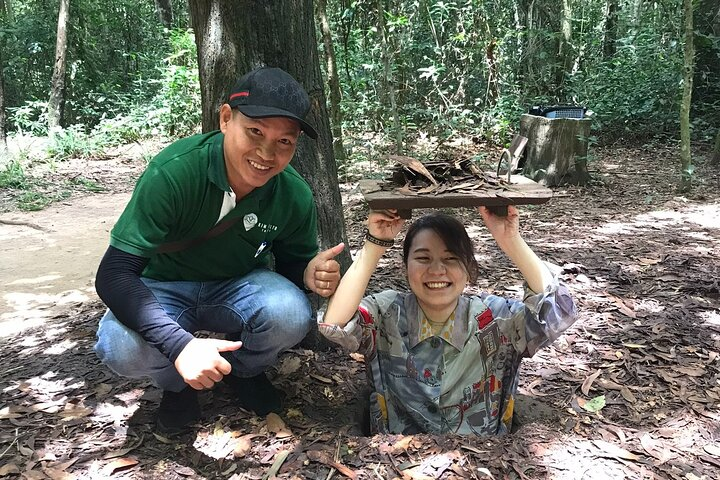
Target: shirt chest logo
250, 220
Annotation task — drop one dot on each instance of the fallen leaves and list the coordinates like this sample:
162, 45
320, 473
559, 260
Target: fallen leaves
276, 425
593, 405
119, 464
614, 451
587, 383
326, 458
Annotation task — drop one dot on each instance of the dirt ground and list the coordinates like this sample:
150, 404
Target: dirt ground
632, 390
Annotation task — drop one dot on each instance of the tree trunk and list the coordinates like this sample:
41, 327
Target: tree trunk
610, 30
3, 118
164, 11
387, 77
565, 58
493, 88
231, 42
716, 150
6, 10
57, 94
635, 16
557, 149
333, 82
689, 54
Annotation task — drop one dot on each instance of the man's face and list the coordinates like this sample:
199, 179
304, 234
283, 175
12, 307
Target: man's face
256, 149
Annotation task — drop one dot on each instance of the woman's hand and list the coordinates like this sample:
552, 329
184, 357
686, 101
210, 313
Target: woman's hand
504, 229
384, 224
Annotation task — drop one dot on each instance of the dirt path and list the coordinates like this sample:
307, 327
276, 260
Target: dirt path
49, 258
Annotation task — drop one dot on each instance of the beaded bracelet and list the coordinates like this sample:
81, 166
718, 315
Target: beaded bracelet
378, 241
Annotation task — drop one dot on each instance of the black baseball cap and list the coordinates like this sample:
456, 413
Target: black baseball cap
272, 92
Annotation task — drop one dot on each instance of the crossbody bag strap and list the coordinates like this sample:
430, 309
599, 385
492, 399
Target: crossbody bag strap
173, 247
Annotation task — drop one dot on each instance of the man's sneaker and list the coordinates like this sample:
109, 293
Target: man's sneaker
177, 411
256, 393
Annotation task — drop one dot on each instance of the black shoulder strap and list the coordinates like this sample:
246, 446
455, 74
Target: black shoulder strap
172, 247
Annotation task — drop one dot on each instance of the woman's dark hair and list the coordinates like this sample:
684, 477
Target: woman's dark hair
453, 234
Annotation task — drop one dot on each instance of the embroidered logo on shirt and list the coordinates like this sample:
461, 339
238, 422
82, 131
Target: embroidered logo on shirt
250, 220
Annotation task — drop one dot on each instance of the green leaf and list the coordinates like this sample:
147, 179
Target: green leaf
595, 405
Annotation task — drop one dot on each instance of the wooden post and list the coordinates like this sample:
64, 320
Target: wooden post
557, 149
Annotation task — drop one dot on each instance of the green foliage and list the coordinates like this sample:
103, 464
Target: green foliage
457, 68
117, 53
36, 200
13, 176
636, 93
72, 142
456, 72
29, 118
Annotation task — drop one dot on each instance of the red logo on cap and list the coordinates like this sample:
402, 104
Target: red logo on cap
239, 94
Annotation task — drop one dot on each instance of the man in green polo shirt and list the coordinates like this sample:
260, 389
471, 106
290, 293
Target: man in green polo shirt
192, 248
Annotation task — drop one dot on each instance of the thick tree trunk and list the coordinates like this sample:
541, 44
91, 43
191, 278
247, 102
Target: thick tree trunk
557, 148
716, 150
57, 94
333, 82
689, 60
164, 11
610, 30
281, 34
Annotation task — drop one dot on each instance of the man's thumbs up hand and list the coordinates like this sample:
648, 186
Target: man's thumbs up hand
322, 274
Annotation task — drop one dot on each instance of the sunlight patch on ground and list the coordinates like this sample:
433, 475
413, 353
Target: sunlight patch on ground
41, 279
14, 232
648, 305
710, 317
24, 309
706, 216
60, 348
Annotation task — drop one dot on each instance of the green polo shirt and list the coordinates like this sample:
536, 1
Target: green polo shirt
180, 196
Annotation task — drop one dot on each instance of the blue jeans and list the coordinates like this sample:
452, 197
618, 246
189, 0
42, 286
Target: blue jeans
264, 310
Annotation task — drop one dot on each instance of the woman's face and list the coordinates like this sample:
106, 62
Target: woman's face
436, 276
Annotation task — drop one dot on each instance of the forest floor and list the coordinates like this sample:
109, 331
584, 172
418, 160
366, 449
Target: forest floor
632, 390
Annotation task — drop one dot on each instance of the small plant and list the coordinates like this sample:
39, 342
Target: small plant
30, 118
86, 184
32, 201
72, 142
13, 176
